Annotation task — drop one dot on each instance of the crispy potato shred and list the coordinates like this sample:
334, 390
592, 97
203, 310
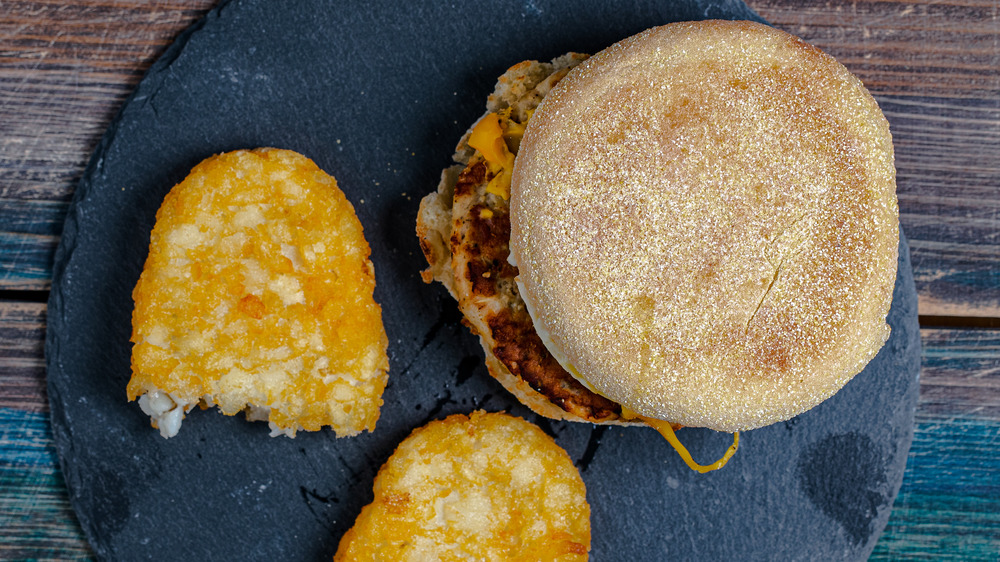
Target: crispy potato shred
487, 486
257, 296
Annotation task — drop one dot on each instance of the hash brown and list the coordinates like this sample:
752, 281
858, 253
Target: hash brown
257, 296
487, 486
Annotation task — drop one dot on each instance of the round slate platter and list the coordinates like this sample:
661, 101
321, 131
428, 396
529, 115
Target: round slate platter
378, 94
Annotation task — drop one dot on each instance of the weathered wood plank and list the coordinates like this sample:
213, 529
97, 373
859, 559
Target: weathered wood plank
29, 234
960, 375
948, 507
942, 49
22, 357
65, 69
950, 213
935, 68
36, 519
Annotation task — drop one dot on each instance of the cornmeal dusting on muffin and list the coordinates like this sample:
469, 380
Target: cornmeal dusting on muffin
257, 296
481, 487
705, 223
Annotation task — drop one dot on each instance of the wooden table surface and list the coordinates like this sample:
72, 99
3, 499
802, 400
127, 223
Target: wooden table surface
934, 67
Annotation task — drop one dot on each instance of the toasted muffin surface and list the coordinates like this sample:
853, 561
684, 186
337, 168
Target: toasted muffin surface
705, 223
481, 487
257, 295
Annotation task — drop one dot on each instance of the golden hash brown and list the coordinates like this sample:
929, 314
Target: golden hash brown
257, 295
486, 486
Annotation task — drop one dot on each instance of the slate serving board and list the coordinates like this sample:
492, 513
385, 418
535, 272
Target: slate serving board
378, 94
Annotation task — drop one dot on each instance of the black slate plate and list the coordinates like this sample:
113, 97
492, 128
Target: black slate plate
377, 94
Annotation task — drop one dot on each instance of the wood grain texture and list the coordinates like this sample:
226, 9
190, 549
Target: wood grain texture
36, 519
934, 67
948, 507
935, 70
960, 375
22, 358
65, 68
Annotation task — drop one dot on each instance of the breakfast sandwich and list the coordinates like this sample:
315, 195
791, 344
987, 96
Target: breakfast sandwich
464, 232
257, 297
487, 486
696, 226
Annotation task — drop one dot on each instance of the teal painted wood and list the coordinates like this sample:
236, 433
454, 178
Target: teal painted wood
66, 66
36, 520
949, 504
960, 375
948, 507
29, 232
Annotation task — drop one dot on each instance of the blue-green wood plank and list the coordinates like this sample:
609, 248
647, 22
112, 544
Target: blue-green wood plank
36, 519
29, 233
948, 507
